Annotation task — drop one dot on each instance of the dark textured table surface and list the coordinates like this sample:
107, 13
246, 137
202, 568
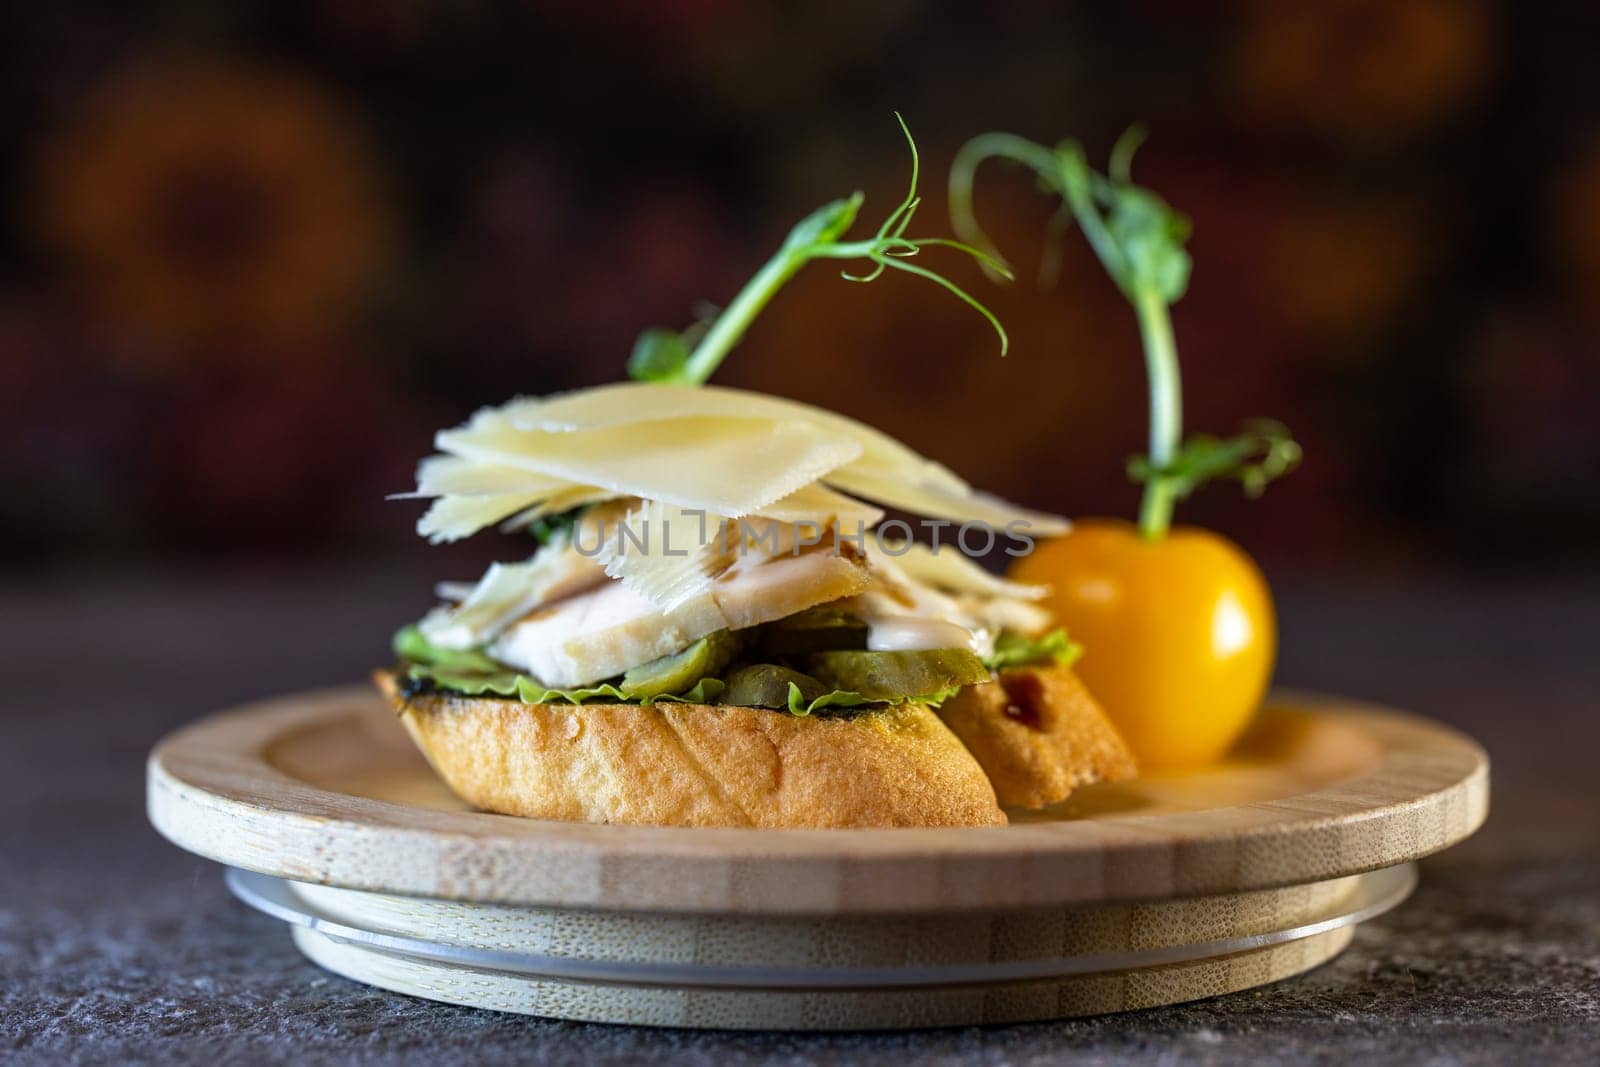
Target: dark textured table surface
116, 947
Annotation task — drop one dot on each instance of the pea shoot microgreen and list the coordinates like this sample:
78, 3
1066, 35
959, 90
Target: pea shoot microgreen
691, 356
1260, 452
1139, 239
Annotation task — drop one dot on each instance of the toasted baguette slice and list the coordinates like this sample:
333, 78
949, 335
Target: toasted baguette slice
698, 764
1038, 734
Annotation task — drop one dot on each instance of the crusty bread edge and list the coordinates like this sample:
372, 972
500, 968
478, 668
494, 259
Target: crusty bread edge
1073, 743
698, 764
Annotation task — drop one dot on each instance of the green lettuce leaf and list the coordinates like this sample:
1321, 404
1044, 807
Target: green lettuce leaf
472, 673
839, 698
1015, 650
532, 691
529, 691
411, 646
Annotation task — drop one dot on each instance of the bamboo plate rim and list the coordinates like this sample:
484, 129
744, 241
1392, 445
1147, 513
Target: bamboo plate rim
211, 790
1376, 893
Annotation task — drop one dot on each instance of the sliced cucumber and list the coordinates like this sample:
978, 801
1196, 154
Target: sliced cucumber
681, 670
896, 676
766, 685
817, 629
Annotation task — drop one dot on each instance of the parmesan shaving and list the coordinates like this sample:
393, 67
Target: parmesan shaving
819, 504
627, 403
565, 500
723, 451
508, 591
958, 507
728, 466
444, 475
451, 518
664, 552
953, 571
671, 554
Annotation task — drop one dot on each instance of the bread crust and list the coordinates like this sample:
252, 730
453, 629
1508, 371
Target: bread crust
697, 764
1039, 734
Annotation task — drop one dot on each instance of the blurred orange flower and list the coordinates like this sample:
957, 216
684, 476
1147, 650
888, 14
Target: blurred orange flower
1362, 68
198, 201
1574, 225
1345, 266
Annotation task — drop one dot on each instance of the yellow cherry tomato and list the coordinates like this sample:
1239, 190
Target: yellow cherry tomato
1179, 633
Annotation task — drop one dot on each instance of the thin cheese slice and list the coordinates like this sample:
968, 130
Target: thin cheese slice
671, 554
729, 466
958, 507
442, 475
819, 504
627, 403
565, 500
952, 570
725, 451
666, 553
451, 518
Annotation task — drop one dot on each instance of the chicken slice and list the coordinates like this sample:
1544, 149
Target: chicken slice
508, 591
599, 634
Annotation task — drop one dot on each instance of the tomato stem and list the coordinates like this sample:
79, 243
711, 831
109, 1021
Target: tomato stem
1166, 409
1139, 239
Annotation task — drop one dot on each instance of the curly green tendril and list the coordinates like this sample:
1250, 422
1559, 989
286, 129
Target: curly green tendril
691, 356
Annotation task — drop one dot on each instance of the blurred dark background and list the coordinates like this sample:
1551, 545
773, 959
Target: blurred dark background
254, 254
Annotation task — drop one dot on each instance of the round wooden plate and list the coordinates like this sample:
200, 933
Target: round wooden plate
740, 972
877, 1009
800, 953
326, 788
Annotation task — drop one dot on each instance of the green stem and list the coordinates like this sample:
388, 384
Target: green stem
730, 326
853, 249
963, 177
964, 169
1166, 410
